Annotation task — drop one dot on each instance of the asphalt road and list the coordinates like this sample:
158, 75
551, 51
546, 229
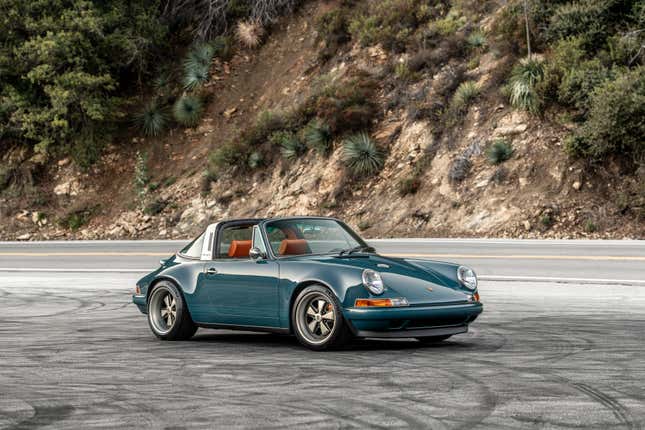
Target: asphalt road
75, 353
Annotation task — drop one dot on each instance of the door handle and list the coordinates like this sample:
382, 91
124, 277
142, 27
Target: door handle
211, 271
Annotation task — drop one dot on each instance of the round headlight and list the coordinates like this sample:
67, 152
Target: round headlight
467, 277
373, 282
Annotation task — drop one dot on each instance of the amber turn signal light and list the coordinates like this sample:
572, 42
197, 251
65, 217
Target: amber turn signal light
476, 297
137, 290
380, 303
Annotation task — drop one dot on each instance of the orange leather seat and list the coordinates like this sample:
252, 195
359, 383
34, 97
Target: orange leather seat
239, 248
293, 247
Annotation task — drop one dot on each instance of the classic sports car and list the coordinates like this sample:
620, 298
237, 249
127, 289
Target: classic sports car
310, 276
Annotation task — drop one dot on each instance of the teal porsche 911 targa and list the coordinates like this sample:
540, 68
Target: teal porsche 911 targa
309, 276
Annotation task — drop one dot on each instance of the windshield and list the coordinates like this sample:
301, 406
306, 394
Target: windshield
311, 236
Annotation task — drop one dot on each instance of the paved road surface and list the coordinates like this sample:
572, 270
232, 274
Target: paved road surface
74, 353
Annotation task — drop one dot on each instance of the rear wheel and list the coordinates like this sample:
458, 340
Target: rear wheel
433, 339
317, 319
168, 314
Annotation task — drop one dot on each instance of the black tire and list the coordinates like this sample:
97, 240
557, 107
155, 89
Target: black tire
181, 326
433, 339
338, 333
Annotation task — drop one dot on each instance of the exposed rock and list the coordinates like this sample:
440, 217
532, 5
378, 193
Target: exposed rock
25, 236
71, 187
577, 185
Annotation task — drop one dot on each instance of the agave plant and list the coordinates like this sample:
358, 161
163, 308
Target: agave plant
477, 39
153, 119
290, 146
317, 135
522, 84
197, 65
361, 155
499, 151
464, 95
188, 110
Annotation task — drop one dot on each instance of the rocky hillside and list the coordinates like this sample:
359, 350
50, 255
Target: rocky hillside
401, 119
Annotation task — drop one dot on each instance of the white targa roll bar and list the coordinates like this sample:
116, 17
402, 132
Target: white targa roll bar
209, 242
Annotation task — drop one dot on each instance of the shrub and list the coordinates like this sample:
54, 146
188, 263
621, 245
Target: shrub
409, 185
476, 40
522, 85
579, 82
155, 207
403, 72
250, 33
361, 155
588, 19
615, 124
447, 25
266, 123
347, 106
364, 225
317, 136
332, 28
499, 151
76, 216
255, 160
153, 119
290, 146
388, 22
222, 47
464, 95
459, 169
188, 110
232, 153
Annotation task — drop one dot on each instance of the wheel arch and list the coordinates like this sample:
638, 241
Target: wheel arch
298, 289
159, 279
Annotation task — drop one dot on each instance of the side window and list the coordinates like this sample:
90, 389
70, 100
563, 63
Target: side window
257, 240
235, 242
194, 248
276, 236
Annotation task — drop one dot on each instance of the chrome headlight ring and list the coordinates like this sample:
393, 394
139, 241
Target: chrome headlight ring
373, 282
467, 277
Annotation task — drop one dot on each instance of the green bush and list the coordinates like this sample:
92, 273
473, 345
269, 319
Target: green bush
332, 28
197, 65
265, 124
141, 175
523, 83
153, 119
64, 66
499, 151
188, 110
347, 106
290, 146
155, 207
317, 136
459, 169
579, 82
255, 160
616, 120
388, 22
465, 94
232, 153
477, 40
361, 155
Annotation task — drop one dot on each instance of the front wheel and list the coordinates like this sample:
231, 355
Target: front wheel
317, 319
168, 314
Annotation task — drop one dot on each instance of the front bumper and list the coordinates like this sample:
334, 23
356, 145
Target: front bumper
412, 321
141, 302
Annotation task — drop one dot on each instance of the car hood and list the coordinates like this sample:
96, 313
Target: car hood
421, 282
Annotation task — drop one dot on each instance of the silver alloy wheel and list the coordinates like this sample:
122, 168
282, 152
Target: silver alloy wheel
162, 310
316, 318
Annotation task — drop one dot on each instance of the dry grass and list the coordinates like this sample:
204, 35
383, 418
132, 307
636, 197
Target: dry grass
250, 33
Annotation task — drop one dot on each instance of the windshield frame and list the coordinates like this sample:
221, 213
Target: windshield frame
348, 230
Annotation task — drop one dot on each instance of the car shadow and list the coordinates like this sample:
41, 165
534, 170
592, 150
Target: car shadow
271, 339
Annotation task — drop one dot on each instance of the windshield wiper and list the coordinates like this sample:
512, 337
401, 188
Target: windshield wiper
363, 248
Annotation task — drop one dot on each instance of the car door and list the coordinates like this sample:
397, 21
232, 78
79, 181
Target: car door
242, 291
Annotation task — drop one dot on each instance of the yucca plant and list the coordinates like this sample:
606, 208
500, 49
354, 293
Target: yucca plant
464, 95
499, 151
361, 155
255, 160
522, 85
153, 119
317, 135
188, 110
197, 65
290, 146
477, 40
162, 82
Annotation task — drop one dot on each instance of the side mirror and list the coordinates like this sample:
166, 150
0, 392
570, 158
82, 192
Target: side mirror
256, 254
